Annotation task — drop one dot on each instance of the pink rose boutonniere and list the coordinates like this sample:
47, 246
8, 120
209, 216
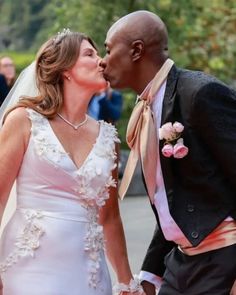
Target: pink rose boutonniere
174, 143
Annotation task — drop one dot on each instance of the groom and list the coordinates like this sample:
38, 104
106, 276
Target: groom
189, 167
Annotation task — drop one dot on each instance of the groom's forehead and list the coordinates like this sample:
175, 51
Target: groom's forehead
111, 36
117, 31
112, 39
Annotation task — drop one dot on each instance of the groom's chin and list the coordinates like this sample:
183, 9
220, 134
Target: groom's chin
109, 80
114, 83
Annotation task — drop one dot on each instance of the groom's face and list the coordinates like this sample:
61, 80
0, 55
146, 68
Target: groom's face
117, 63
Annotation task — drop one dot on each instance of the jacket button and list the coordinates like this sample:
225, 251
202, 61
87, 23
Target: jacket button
190, 208
194, 234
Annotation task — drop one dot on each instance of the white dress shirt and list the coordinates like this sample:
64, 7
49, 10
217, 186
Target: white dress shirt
170, 229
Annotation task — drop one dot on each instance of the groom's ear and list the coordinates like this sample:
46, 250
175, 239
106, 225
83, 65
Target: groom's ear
137, 49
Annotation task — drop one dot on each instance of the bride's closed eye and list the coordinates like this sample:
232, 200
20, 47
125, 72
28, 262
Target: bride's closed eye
89, 52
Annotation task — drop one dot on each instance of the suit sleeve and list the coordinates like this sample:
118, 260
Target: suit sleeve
158, 249
214, 110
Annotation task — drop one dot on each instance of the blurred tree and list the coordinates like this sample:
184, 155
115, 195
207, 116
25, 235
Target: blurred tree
23, 19
202, 35
93, 17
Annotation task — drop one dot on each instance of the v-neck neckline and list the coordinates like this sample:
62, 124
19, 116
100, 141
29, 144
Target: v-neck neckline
59, 143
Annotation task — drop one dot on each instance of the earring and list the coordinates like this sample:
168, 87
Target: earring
68, 78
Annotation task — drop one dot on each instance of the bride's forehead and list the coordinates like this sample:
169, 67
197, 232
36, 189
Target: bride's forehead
85, 44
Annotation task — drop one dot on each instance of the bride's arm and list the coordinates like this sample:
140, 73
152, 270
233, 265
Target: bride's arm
114, 235
14, 136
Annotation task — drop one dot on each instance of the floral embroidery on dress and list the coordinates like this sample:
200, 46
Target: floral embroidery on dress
94, 197
27, 241
107, 148
44, 144
94, 244
104, 148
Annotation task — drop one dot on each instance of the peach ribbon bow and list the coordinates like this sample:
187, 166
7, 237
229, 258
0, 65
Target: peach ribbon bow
141, 136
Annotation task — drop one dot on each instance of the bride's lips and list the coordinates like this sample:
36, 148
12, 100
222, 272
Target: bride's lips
101, 73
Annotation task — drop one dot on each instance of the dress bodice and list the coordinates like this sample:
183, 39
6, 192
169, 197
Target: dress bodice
47, 169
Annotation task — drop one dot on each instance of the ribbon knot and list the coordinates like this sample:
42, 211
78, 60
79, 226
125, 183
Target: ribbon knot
141, 136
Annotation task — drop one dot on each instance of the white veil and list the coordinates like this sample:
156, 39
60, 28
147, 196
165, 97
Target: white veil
24, 85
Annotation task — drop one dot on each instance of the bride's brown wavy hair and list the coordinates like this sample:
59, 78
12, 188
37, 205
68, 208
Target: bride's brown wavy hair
54, 57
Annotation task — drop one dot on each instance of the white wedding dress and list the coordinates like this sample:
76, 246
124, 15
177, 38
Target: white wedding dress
53, 244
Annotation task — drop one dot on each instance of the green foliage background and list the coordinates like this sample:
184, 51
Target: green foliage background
202, 33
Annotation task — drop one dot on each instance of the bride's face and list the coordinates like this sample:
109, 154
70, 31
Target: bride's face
87, 71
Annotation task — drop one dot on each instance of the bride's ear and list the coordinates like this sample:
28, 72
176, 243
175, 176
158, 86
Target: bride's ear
66, 75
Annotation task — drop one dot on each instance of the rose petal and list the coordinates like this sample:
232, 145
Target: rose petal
180, 151
167, 150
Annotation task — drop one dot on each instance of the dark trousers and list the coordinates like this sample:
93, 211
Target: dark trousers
210, 273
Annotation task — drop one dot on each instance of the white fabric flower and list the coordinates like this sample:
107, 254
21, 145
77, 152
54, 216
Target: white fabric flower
178, 127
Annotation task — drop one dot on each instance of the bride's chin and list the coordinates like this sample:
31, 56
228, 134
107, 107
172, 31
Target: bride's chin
103, 85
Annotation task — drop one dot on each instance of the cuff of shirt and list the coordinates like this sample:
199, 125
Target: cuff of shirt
151, 278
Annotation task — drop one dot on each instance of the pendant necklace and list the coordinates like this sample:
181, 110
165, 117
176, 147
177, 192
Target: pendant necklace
72, 125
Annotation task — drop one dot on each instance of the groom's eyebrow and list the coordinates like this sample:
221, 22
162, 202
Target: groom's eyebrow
107, 47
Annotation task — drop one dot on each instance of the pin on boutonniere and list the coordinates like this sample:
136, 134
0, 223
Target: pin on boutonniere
174, 143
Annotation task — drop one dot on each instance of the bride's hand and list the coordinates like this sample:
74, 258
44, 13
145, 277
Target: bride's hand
133, 288
131, 293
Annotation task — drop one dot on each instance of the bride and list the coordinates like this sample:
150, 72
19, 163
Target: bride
64, 164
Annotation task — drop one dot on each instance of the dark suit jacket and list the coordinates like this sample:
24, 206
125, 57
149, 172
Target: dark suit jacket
201, 187
3, 89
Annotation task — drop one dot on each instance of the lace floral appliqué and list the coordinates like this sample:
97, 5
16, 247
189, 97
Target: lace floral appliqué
44, 143
95, 196
27, 241
94, 244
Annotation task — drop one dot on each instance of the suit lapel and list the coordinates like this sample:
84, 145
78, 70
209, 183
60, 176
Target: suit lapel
169, 97
168, 115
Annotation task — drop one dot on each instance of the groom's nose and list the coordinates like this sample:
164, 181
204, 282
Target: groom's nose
102, 63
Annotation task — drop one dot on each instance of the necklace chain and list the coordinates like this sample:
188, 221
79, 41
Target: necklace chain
72, 125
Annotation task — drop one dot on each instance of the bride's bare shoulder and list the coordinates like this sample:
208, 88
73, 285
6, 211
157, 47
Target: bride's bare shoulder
18, 120
18, 115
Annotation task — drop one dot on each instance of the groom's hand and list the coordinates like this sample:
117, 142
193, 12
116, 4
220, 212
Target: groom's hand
149, 288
